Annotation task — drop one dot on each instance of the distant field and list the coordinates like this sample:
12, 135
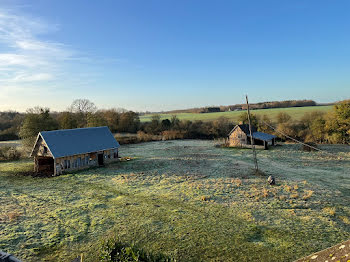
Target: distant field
295, 112
186, 199
13, 143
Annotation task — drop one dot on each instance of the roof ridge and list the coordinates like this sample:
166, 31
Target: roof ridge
70, 129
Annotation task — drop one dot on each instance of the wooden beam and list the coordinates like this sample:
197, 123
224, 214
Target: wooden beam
251, 136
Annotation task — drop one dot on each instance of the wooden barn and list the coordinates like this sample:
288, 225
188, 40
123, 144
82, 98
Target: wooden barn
240, 137
65, 150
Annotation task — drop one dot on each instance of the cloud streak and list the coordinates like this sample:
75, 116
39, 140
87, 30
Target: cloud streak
25, 57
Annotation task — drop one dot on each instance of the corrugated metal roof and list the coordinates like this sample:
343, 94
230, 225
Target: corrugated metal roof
68, 142
263, 136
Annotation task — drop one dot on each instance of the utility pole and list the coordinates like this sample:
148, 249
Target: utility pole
251, 137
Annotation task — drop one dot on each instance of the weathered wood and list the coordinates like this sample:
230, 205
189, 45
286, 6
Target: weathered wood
86, 160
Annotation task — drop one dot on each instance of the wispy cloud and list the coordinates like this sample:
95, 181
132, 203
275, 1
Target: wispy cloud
24, 56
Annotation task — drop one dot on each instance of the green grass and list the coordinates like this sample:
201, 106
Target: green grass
185, 199
14, 143
295, 112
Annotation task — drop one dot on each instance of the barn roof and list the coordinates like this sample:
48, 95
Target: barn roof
262, 136
68, 142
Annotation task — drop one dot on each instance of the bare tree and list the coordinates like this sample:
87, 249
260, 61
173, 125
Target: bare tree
121, 110
83, 106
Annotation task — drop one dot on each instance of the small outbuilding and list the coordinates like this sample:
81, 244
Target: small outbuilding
240, 137
65, 150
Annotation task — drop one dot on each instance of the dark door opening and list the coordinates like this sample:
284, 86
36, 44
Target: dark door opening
44, 165
100, 159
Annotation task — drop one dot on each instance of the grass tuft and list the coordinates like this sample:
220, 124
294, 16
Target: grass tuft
205, 198
308, 194
329, 211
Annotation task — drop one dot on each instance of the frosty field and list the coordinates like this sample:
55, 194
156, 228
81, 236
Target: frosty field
186, 199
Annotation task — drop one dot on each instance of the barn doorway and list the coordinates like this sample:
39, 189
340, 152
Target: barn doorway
100, 159
44, 165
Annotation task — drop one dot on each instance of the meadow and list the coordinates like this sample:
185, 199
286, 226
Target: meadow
296, 112
186, 199
12, 143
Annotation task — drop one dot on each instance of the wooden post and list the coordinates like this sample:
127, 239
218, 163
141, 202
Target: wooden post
54, 167
251, 137
266, 146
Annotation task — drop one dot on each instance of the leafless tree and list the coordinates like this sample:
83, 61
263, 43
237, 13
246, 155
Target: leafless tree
121, 110
83, 106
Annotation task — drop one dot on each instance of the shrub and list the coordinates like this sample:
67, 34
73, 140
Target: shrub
329, 211
9, 153
8, 137
112, 250
143, 137
123, 140
172, 134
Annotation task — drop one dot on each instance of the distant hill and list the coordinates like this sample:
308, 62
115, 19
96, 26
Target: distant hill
295, 112
238, 107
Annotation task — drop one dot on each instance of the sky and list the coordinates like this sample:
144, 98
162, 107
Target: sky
159, 55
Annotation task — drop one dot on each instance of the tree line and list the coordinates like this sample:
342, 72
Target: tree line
261, 105
318, 127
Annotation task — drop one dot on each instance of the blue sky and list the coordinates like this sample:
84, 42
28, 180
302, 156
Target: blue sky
159, 55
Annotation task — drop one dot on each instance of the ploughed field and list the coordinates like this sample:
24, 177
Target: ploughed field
296, 113
187, 199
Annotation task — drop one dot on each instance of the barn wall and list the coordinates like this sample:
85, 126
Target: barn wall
42, 149
83, 161
238, 138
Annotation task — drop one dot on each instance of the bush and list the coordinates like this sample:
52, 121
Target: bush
125, 139
144, 137
9, 153
173, 134
8, 137
112, 250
